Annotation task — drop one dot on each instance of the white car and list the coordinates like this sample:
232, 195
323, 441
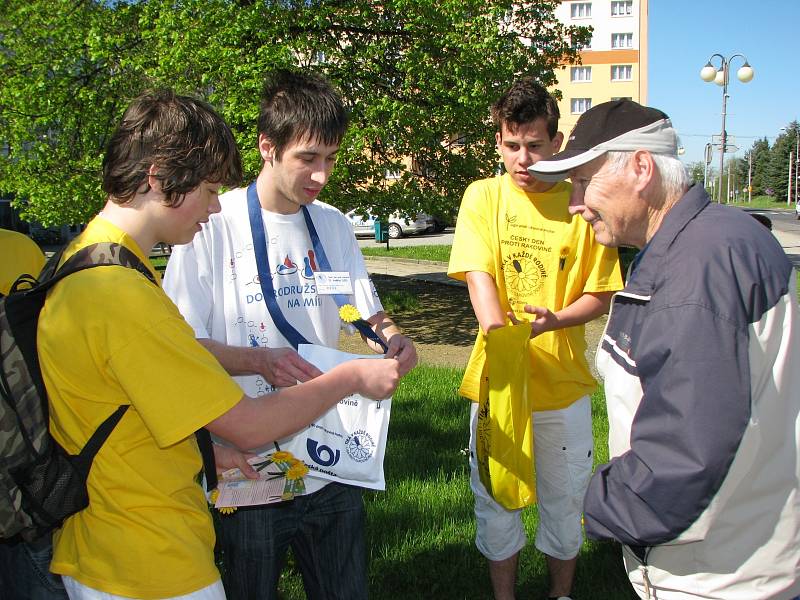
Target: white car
398, 226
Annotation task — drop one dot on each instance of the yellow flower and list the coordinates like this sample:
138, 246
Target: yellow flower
226, 510
212, 497
297, 471
282, 455
349, 313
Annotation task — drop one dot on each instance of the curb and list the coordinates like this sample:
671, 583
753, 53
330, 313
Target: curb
406, 261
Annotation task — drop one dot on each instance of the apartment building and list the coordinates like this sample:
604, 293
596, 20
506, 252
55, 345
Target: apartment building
613, 65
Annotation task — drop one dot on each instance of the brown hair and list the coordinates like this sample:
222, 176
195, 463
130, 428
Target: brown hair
524, 102
182, 137
295, 106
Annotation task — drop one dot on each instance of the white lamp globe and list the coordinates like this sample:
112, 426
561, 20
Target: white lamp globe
745, 73
719, 78
708, 73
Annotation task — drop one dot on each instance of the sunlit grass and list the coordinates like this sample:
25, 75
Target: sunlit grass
399, 301
431, 252
421, 530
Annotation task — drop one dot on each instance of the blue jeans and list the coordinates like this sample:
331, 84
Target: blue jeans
325, 531
25, 571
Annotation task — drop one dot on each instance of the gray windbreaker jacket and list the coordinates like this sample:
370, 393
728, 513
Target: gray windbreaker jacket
701, 364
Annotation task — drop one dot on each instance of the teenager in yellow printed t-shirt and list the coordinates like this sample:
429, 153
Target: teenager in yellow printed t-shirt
524, 257
109, 337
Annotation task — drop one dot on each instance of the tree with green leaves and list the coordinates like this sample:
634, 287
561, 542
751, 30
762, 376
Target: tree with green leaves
759, 154
778, 169
418, 75
696, 171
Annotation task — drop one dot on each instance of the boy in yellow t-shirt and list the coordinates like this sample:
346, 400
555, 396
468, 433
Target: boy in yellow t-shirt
109, 337
524, 256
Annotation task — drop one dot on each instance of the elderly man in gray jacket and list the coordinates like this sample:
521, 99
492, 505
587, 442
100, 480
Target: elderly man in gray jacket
700, 364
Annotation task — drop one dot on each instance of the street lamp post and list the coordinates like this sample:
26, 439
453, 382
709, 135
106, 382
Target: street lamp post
720, 77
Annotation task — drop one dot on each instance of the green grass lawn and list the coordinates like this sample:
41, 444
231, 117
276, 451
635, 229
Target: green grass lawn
763, 203
438, 253
421, 530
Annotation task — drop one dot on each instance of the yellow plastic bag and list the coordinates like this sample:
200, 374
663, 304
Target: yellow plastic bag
504, 444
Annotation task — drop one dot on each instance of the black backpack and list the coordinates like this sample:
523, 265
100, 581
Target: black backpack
40, 484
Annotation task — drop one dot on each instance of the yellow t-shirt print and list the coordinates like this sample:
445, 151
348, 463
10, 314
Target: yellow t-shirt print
538, 254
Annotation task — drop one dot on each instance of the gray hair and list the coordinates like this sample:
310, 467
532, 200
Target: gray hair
674, 176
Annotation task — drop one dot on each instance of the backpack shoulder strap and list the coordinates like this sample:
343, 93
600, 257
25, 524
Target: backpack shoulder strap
94, 255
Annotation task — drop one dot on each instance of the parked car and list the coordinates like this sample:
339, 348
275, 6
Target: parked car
398, 225
797, 209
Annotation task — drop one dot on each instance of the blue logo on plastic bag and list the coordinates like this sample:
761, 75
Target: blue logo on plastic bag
320, 454
360, 446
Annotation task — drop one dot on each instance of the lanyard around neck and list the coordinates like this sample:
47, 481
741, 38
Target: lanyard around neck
258, 232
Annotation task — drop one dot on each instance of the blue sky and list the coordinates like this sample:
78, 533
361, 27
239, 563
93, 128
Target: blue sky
684, 34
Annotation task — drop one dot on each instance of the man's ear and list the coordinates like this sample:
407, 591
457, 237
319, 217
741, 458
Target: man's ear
644, 168
498, 140
266, 148
152, 180
556, 142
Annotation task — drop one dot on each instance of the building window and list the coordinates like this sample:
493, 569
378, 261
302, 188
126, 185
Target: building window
622, 40
621, 98
580, 105
621, 72
579, 47
581, 10
389, 174
580, 74
621, 8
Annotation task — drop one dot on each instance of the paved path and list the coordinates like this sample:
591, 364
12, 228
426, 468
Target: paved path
423, 270
786, 230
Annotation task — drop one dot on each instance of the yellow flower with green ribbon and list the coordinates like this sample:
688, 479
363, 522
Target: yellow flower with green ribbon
289, 468
349, 313
297, 471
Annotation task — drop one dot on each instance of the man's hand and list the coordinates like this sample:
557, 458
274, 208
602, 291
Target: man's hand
402, 348
283, 367
544, 319
376, 379
229, 458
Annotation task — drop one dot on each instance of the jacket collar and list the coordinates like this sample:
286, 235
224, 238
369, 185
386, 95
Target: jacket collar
693, 202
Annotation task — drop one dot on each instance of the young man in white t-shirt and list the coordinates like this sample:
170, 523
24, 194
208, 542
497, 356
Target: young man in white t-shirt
249, 323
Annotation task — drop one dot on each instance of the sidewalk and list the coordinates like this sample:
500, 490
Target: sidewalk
790, 241
422, 270
436, 272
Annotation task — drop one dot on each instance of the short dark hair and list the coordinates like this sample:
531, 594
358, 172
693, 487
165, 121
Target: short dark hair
183, 137
524, 102
295, 106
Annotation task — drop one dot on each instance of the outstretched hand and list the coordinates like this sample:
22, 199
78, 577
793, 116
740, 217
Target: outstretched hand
283, 367
377, 379
544, 319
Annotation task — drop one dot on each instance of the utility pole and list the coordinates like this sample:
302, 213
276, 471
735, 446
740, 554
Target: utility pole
728, 201
789, 187
707, 161
750, 177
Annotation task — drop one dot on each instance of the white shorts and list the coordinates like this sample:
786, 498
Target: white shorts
78, 591
563, 444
